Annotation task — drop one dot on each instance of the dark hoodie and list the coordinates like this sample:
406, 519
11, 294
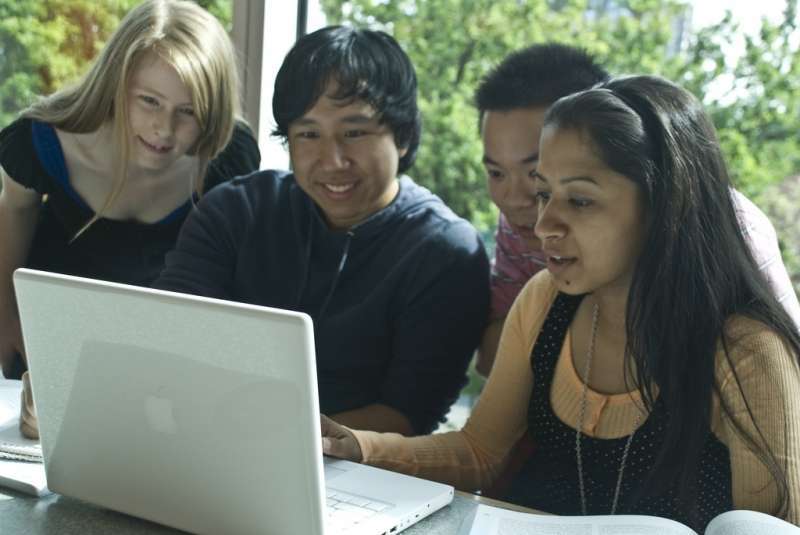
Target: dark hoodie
399, 301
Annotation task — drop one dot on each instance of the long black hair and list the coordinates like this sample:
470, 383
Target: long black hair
367, 65
695, 271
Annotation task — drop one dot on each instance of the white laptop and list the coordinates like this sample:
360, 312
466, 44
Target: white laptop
196, 413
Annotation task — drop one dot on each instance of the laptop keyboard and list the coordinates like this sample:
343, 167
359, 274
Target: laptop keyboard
345, 510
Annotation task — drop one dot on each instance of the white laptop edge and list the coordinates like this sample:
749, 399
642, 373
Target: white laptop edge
439, 495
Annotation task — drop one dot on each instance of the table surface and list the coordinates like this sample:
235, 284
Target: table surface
55, 514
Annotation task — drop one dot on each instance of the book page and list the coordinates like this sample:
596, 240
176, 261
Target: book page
12, 443
749, 523
22, 475
495, 521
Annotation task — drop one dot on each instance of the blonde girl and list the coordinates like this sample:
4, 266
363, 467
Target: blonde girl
98, 177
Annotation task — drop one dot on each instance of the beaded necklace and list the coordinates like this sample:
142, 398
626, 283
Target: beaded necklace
579, 458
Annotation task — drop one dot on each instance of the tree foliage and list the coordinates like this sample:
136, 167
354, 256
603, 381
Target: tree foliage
45, 44
754, 99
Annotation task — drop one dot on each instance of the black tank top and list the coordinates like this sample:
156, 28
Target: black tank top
548, 481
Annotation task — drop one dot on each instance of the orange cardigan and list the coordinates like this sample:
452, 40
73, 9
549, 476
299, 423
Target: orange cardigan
470, 459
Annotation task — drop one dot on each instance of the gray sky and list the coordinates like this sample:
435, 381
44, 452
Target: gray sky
747, 12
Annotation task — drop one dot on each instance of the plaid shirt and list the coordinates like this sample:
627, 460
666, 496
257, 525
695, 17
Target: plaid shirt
513, 265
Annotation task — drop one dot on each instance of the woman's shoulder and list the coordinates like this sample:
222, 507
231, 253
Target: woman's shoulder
540, 287
19, 156
16, 144
740, 330
17, 127
753, 348
240, 156
534, 301
243, 147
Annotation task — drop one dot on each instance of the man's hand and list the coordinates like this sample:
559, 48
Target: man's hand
375, 417
28, 421
12, 351
338, 441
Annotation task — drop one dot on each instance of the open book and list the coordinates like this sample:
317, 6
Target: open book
495, 521
20, 458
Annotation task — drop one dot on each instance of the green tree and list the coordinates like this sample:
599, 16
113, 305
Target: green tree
754, 99
222, 9
454, 42
756, 104
48, 43
18, 78
45, 44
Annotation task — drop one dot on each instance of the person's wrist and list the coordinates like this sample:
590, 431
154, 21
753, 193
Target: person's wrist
358, 451
28, 420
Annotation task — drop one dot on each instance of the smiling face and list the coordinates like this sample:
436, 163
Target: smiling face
344, 159
161, 118
510, 156
591, 219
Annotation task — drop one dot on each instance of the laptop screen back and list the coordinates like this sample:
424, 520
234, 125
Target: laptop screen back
137, 388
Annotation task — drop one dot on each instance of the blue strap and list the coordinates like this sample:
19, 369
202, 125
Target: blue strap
51, 155
48, 149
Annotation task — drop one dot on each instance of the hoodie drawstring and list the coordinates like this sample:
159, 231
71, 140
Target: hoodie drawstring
342, 262
306, 262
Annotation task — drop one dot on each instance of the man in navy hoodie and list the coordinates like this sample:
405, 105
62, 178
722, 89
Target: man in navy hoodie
396, 283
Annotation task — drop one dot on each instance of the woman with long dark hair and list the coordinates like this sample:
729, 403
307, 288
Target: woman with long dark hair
661, 376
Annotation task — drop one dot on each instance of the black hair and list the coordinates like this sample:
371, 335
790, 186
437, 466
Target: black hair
367, 65
537, 76
695, 270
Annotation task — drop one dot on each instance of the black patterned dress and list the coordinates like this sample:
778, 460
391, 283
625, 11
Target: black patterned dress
549, 479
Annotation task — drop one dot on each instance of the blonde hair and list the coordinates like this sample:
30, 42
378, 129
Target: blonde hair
191, 41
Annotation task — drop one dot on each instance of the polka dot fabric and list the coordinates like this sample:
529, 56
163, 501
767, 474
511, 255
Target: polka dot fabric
549, 479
